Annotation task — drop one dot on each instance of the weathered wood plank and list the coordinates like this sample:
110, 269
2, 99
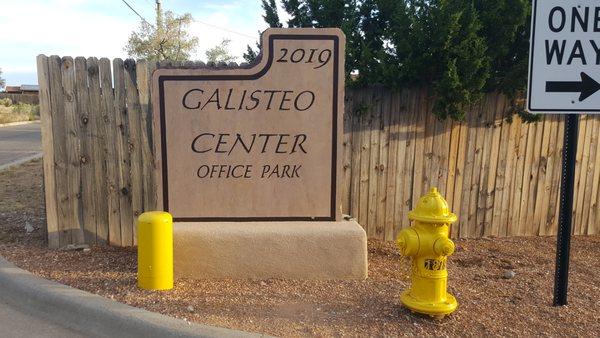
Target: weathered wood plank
135, 141
580, 202
73, 220
86, 163
60, 150
541, 192
108, 127
594, 217
590, 175
462, 135
98, 141
144, 72
515, 201
46, 114
409, 159
471, 123
481, 129
553, 207
489, 226
384, 147
347, 154
376, 111
356, 158
123, 156
392, 167
487, 150
365, 130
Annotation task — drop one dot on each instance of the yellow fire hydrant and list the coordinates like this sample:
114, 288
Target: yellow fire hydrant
428, 244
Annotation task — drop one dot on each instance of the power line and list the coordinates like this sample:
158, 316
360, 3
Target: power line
225, 29
198, 21
138, 14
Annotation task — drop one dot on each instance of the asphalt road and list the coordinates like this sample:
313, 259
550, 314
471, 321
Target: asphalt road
14, 323
19, 143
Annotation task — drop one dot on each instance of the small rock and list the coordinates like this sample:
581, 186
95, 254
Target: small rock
263, 283
190, 308
509, 274
75, 247
29, 228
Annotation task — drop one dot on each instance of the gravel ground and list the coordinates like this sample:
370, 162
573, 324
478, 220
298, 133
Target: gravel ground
489, 303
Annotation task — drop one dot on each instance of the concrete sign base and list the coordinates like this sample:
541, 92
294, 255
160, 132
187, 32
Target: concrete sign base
260, 250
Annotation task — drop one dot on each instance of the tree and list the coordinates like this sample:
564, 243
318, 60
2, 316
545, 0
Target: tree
459, 48
2, 81
220, 53
167, 40
271, 17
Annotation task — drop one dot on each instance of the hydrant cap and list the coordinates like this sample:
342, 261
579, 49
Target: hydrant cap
432, 208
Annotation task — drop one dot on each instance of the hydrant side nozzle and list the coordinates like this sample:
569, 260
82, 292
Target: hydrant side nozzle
408, 242
443, 246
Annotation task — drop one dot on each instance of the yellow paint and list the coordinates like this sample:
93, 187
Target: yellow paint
427, 243
155, 250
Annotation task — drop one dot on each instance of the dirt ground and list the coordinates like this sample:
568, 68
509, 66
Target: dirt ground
489, 304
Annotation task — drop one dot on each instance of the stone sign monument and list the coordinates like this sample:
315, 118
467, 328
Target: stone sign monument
249, 162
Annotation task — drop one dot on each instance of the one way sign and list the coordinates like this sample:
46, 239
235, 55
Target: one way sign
564, 59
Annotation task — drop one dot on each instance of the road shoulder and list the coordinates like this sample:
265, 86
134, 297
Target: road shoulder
99, 316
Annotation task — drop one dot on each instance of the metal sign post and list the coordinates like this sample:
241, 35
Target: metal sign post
564, 63
563, 239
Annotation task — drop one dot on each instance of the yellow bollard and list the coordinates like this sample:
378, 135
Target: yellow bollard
427, 242
155, 250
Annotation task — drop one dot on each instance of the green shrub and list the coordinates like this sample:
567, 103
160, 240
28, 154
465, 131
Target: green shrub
6, 102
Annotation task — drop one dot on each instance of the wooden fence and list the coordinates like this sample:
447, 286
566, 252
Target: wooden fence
500, 176
21, 98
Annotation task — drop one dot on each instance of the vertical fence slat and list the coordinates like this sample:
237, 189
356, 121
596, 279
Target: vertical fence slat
86, 169
135, 141
489, 226
98, 142
144, 72
592, 140
468, 173
108, 128
552, 167
374, 161
60, 151
46, 114
515, 201
403, 139
356, 152
365, 131
72, 137
123, 157
347, 153
592, 226
392, 165
581, 203
541, 203
384, 146
487, 149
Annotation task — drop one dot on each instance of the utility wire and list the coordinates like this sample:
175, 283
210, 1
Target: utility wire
138, 14
198, 21
225, 29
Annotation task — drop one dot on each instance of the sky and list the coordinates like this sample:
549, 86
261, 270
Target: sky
101, 28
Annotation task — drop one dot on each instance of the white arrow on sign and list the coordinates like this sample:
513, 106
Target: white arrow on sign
564, 58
